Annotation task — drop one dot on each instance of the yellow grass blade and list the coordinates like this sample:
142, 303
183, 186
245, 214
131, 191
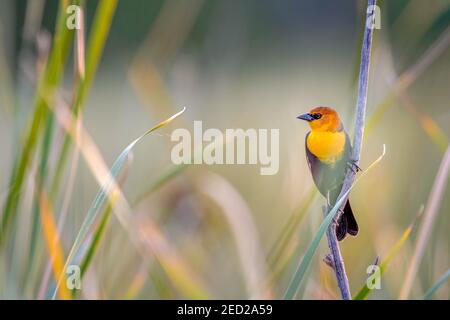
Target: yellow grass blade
365, 291
53, 244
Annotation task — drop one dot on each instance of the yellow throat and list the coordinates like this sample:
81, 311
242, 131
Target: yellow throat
326, 146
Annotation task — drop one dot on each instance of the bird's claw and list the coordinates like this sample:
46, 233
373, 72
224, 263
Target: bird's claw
335, 218
328, 259
352, 165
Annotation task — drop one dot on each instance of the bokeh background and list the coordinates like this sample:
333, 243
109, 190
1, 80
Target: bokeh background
235, 64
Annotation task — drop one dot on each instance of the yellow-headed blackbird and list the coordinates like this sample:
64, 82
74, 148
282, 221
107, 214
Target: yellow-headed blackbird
328, 152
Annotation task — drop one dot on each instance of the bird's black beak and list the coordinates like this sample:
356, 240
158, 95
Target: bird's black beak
306, 117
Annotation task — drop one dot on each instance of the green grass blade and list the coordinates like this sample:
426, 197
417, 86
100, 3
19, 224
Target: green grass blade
104, 191
304, 264
46, 86
101, 228
98, 236
430, 292
306, 261
41, 177
97, 39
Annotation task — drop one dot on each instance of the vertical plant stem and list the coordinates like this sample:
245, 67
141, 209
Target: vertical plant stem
40, 182
97, 39
338, 262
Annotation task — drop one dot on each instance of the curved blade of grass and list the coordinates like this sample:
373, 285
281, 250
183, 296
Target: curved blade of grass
306, 261
105, 190
430, 292
364, 292
98, 234
182, 276
101, 228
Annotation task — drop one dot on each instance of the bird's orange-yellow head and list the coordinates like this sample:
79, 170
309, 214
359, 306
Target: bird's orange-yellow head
322, 119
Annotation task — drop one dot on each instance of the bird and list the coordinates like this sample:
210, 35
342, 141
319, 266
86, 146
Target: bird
328, 153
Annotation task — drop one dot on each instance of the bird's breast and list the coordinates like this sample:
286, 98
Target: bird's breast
328, 147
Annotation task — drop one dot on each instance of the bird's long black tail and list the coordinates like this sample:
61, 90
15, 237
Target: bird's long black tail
346, 223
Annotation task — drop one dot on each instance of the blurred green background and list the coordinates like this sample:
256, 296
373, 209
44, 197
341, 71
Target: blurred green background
237, 64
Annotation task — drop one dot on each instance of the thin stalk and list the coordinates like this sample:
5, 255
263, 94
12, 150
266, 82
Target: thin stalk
97, 39
333, 244
431, 211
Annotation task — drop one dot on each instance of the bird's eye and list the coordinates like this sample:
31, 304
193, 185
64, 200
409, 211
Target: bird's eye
317, 116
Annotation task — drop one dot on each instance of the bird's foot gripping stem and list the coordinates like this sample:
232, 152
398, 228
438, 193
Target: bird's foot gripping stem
353, 165
337, 216
328, 259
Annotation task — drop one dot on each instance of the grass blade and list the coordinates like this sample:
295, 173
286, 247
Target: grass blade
53, 244
107, 190
430, 292
98, 235
40, 181
100, 29
306, 261
44, 95
364, 292
101, 228
431, 211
